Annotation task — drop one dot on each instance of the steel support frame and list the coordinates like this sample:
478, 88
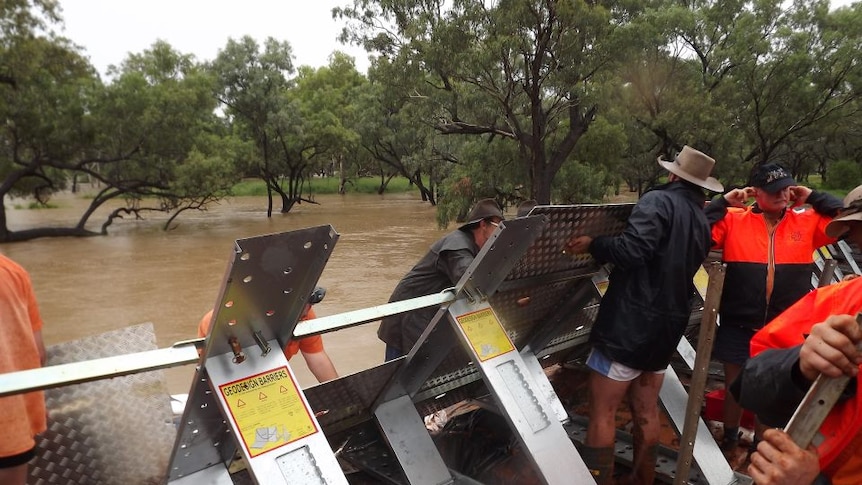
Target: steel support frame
245, 396
470, 321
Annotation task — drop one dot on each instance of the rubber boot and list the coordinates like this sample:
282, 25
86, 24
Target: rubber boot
643, 468
600, 462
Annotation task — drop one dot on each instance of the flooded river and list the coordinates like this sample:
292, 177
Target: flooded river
139, 273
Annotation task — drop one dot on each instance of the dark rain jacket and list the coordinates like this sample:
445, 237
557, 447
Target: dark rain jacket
441, 268
748, 249
647, 305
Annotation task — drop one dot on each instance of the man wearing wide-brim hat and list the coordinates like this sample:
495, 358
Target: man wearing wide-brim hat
645, 310
441, 268
767, 247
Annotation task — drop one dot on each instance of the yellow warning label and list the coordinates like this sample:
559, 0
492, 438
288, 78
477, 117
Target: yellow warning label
600, 281
268, 410
701, 281
485, 334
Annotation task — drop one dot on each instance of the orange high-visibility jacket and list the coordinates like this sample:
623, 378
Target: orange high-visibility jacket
844, 423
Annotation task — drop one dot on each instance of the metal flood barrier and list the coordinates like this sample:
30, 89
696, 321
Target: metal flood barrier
522, 305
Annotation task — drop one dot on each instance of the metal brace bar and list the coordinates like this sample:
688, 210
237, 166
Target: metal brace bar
371, 314
697, 386
185, 352
827, 273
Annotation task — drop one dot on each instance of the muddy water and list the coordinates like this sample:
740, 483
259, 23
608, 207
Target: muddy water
139, 273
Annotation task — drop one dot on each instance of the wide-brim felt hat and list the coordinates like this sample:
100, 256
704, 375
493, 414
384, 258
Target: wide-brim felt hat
525, 207
484, 209
852, 212
693, 166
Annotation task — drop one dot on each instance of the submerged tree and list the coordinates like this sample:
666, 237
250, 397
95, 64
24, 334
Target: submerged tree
133, 136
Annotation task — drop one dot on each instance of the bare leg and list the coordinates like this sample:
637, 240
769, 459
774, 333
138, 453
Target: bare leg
643, 399
598, 450
16, 475
606, 395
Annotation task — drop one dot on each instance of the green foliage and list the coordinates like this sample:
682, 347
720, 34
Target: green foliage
327, 185
843, 175
548, 99
578, 183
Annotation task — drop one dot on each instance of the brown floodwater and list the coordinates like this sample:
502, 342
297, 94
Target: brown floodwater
140, 273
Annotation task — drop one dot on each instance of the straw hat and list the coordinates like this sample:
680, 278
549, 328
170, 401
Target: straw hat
852, 212
693, 166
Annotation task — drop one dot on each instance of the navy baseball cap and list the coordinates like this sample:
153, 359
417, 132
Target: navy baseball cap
771, 177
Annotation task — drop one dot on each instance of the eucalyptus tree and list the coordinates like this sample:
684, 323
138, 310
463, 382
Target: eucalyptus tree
328, 97
771, 75
252, 87
517, 70
132, 136
394, 133
21, 20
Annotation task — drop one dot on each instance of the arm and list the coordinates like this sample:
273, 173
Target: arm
717, 208
823, 203
830, 349
771, 385
640, 239
320, 365
456, 262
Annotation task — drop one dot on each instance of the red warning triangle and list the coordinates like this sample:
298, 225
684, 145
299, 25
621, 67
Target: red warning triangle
240, 403
261, 396
282, 389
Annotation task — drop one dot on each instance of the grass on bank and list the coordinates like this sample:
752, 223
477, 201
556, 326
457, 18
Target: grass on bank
328, 185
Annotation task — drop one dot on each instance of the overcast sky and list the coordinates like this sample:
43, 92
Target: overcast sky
109, 30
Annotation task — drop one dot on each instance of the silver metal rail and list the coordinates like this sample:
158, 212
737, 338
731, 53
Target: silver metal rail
187, 351
181, 353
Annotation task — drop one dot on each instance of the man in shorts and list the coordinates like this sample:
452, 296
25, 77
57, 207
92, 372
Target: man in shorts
645, 310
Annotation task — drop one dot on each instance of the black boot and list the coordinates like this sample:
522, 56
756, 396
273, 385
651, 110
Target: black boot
600, 462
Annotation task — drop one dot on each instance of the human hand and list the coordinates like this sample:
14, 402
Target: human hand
578, 244
778, 460
830, 349
738, 197
849, 277
799, 195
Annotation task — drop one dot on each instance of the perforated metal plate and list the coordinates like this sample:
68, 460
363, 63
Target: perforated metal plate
114, 431
266, 285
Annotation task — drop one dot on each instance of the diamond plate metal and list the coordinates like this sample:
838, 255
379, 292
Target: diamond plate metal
538, 284
546, 256
115, 431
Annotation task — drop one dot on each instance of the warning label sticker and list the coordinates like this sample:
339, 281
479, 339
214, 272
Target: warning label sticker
268, 410
701, 281
485, 334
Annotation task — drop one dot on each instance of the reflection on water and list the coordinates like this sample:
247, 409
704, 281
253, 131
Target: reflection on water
139, 273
